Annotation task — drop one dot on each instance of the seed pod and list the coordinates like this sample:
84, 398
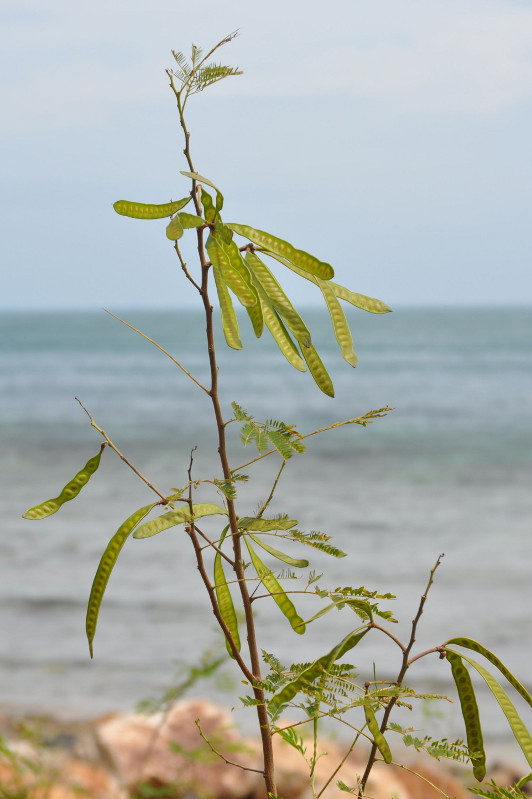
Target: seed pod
468, 703
209, 210
304, 260
225, 600
200, 179
278, 298
233, 269
339, 323
519, 729
373, 726
272, 585
179, 516
229, 320
318, 370
468, 643
277, 329
265, 525
370, 304
174, 230
313, 672
297, 563
70, 491
148, 210
106, 566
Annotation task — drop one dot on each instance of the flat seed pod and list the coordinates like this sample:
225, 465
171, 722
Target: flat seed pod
272, 585
235, 272
304, 260
175, 230
522, 736
378, 737
318, 370
265, 525
200, 179
469, 706
298, 563
339, 323
256, 318
229, 320
179, 516
106, 566
225, 600
149, 210
209, 210
468, 643
278, 330
190, 220
369, 304
278, 298
70, 491
309, 675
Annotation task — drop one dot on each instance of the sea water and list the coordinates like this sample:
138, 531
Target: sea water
447, 471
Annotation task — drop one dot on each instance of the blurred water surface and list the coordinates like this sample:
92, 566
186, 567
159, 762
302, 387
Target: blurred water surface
448, 471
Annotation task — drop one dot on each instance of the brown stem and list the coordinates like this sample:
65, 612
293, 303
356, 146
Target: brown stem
164, 500
236, 536
400, 677
253, 675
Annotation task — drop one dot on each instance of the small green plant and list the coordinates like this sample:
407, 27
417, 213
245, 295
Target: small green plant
232, 562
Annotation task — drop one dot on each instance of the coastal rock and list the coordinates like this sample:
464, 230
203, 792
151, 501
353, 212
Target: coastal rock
166, 749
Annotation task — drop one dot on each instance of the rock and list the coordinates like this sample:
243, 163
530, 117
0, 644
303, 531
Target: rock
166, 749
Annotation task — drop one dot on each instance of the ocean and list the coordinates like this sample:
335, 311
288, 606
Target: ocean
447, 471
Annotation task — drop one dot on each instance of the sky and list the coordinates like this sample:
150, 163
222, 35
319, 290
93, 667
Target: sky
390, 138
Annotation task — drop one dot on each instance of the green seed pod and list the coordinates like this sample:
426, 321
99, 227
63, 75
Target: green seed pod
208, 207
190, 220
468, 643
278, 298
373, 726
369, 304
229, 320
179, 516
225, 600
106, 566
233, 269
339, 323
272, 585
314, 671
148, 210
304, 260
70, 491
468, 703
174, 230
318, 370
297, 563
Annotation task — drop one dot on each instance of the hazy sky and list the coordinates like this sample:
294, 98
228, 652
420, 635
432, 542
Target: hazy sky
391, 138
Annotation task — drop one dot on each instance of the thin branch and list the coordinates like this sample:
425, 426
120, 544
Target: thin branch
339, 766
123, 457
185, 270
359, 420
421, 777
206, 390
438, 649
211, 543
375, 626
404, 667
219, 754
272, 492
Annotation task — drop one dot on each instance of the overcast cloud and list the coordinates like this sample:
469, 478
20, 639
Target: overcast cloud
391, 138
